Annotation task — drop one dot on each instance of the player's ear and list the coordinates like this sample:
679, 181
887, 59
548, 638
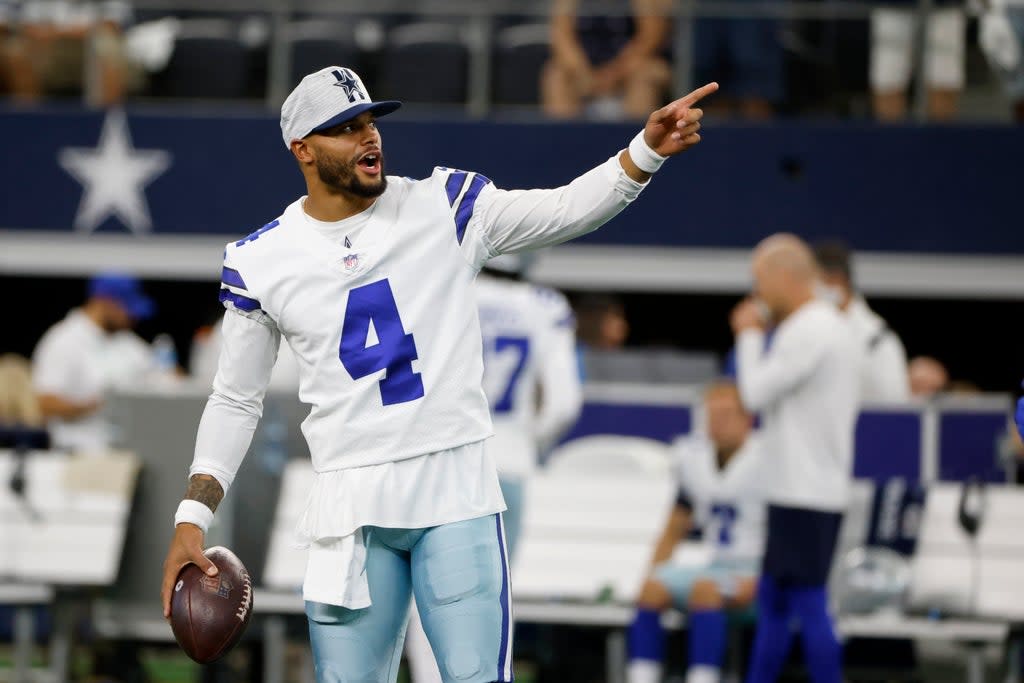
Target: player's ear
302, 151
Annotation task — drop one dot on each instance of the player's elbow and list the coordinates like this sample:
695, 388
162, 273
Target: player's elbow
250, 405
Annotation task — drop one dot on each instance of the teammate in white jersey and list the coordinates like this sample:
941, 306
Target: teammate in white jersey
883, 373
720, 492
531, 377
532, 382
805, 387
369, 279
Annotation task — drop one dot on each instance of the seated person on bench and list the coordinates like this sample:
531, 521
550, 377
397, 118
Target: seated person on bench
719, 491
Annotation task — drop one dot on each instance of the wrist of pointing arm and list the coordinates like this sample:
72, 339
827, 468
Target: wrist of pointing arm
639, 161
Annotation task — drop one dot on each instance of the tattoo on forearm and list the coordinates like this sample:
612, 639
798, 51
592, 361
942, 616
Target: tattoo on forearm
206, 490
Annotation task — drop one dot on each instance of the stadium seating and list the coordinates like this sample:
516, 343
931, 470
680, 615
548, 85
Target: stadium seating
316, 43
73, 539
285, 564
960, 576
611, 455
588, 532
425, 62
213, 48
961, 591
519, 55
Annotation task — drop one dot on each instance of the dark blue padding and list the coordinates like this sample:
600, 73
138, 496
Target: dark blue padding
887, 444
969, 442
660, 422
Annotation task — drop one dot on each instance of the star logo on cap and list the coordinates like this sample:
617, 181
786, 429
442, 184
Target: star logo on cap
347, 82
113, 176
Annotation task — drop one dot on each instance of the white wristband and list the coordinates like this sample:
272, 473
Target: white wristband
193, 512
645, 158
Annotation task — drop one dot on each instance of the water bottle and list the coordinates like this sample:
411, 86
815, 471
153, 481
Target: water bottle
165, 355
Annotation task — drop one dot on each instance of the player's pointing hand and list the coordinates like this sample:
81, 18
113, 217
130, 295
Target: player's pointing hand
673, 128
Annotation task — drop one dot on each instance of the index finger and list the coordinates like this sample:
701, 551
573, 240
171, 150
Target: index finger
698, 94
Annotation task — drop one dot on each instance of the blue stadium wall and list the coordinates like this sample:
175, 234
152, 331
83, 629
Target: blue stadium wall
952, 190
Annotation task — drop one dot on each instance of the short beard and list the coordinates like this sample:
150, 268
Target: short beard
341, 177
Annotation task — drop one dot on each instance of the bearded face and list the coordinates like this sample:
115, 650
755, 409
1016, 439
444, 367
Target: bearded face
343, 176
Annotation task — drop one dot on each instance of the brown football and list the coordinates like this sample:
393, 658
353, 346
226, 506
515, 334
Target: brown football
210, 613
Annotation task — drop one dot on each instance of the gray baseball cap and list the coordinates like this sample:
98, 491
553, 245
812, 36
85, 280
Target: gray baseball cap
325, 98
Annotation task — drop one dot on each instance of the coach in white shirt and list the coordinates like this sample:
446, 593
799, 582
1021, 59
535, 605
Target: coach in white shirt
884, 370
72, 367
805, 387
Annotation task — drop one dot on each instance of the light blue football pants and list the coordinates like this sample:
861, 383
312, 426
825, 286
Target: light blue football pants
459, 575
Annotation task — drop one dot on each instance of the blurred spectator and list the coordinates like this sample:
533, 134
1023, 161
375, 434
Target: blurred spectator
747, 55
884, 371
18, 404
75, 362
1001, 34
62, 47
6, 37
601, 322
615, 64
927, 377
894, 32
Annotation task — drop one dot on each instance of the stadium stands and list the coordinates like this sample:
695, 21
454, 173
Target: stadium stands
213, 48
425, 62
316, 42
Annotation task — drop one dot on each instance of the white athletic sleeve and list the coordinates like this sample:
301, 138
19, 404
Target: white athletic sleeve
764, 378
510, 221
53, 363
248, 351
559, 376
887, 378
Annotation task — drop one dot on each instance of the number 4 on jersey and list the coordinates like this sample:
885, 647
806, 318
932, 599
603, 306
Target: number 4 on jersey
394, 351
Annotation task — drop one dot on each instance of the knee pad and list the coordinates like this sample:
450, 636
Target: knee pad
463, 663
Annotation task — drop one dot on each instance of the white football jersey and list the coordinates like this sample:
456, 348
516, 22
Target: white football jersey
380, 311
531, 378
727, 504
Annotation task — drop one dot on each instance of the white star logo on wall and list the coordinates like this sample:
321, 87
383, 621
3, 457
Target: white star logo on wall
113, 177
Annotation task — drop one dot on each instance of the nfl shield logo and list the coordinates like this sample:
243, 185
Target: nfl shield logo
216, 584
351, 261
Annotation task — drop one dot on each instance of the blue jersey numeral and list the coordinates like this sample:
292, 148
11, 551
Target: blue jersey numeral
726, 515
520, 346
394, 351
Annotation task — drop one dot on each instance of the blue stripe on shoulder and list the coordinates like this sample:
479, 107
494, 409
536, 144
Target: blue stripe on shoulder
232, 277
240, 302
454, 186
255, 235
465, 211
